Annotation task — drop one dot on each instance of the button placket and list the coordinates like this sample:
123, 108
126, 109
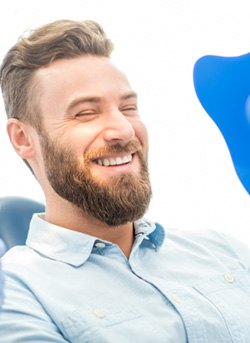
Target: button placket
100, 245
99, 313
229, 278
133, 265
175, 298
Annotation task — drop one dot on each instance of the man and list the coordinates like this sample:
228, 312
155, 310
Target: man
93, 270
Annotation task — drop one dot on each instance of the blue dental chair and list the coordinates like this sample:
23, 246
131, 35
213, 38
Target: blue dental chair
222, 85
15, 216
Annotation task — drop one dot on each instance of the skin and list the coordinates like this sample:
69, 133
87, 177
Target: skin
85, 103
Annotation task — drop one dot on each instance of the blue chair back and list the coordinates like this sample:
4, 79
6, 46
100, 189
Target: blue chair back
222, 85
15, 216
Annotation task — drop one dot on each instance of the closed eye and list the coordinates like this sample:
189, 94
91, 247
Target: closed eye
131, 110
85, 113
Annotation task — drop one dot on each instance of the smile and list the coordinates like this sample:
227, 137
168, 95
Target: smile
114, 161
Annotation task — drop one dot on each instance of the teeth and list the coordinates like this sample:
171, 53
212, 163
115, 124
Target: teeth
119, 160
106, 162
114, 161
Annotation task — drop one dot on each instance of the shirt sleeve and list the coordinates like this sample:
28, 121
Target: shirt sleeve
22, 318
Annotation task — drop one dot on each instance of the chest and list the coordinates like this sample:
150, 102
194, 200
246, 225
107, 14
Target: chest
104, 302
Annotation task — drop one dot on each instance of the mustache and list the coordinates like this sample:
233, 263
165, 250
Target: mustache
129, 148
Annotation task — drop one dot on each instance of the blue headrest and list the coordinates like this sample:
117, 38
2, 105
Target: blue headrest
222, 85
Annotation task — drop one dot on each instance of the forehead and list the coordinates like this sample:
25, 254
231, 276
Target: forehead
64, 80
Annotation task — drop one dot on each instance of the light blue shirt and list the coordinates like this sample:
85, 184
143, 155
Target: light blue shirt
177, 286
2, 250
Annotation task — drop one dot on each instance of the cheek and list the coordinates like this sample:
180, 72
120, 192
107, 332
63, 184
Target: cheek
141, 133
82, 137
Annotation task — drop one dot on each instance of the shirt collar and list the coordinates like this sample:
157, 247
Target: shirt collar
150, 230
74, 247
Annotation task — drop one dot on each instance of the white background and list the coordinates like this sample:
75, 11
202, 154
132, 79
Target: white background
157, 43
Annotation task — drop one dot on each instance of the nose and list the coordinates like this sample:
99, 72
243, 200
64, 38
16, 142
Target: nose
118, 129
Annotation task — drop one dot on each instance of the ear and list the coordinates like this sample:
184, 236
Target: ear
21, 138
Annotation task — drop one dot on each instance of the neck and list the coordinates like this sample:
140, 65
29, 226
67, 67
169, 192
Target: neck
69, 216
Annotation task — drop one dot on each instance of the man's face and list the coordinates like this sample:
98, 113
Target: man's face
94, 145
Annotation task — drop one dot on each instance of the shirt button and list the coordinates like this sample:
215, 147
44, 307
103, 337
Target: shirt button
133, 265
100, 245
175, 298
99, 313
229, 277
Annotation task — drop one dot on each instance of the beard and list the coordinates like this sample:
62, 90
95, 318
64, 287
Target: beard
122, 199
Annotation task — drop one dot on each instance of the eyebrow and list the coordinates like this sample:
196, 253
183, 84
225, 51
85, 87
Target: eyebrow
96, 99
129, 95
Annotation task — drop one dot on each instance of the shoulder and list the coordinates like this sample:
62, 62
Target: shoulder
18, 254
216, 243
20, 260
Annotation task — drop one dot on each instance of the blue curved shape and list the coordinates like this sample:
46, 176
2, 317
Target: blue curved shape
222, 85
